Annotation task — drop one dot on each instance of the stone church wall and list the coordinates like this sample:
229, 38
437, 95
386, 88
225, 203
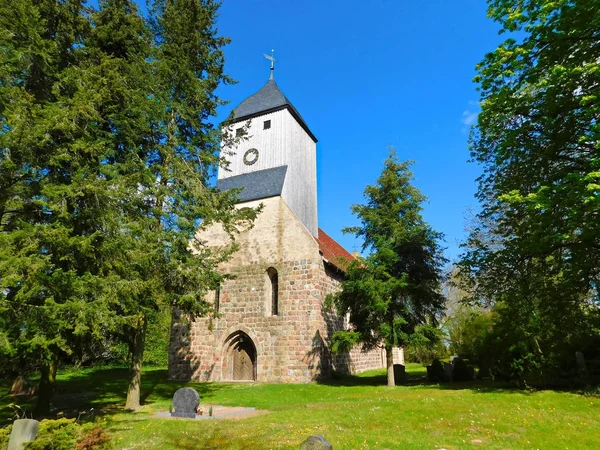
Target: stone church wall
285, 343
356, 360
291, 346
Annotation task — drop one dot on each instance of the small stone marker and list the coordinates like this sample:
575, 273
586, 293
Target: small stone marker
316, 442
185, 402
23, 431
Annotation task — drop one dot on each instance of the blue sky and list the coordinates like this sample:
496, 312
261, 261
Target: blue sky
366, 75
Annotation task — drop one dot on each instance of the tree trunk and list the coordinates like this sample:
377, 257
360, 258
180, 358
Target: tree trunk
389, 358
46, 388
137, 356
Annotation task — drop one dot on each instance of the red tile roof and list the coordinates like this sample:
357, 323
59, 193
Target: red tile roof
332, 251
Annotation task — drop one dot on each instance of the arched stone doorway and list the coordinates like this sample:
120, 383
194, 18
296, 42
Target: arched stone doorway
240, 357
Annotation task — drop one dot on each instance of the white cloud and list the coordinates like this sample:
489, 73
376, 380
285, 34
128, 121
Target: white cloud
469, 117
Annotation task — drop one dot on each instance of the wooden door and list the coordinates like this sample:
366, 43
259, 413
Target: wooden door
243, 366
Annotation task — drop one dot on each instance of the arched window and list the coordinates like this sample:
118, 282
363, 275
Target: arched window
274, 284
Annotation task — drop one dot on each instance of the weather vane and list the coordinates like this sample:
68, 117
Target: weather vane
272, 59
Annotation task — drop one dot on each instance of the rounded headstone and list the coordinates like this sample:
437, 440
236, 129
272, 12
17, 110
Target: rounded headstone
185, 402
461, 371
435, 372
316, 442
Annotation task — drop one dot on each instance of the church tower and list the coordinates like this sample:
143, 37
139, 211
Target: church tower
277, 156
273, 323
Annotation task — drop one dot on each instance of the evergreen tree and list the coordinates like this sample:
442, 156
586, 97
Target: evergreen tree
106, 157
393, 294
168, 193
46, 237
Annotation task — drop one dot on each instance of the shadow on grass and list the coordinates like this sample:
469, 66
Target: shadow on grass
478, 386
14, 406
110, 386
185, 434
100, 391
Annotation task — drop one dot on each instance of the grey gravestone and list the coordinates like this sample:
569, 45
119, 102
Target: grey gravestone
185, 402
461, 371
448, 371
23, 431
580, 361
399, 374
435, 372
316, 442
581, 366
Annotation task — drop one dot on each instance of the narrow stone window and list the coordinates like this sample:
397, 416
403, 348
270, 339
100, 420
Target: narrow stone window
266, 124
274, 284
239, 132
217, 298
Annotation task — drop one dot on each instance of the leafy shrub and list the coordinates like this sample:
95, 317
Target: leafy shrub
343, 341
95, 439
4, 435
156, 349
425, 345
60, 434
468, 328
425, 354
66, 434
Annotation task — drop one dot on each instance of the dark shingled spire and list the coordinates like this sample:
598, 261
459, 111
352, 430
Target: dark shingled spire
268, 99
256, 185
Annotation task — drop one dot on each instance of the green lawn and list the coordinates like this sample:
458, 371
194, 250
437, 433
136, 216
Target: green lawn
353, 413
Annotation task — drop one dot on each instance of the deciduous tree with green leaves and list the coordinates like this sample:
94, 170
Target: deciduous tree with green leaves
538, 140
393, 294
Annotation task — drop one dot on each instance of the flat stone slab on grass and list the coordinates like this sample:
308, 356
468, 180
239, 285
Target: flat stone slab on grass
219, 412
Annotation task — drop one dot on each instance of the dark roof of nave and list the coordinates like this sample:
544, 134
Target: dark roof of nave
268, 99
333, 252
256, 185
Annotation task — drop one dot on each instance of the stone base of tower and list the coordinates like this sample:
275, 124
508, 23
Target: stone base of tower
290, 347
304, 362
245, 344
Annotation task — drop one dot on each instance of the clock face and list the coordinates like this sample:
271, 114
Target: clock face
251, 156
